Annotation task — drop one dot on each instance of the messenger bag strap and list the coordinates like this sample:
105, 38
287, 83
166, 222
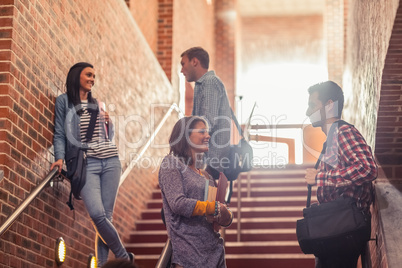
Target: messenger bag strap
236, 123
91, 127
329, 138
324, 146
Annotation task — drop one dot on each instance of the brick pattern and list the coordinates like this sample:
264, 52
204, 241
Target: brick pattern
39, 41
364, 63
389, 137
225, 45
334, 35
281, 39
165, 35
145, 13
372, 87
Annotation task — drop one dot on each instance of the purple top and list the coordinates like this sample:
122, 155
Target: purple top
194, 241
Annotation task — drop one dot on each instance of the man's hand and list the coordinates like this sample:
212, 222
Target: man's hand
311, 173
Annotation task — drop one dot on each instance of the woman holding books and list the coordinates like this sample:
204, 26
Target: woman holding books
189, 219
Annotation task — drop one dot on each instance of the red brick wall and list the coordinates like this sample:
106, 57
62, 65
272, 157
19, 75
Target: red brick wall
285, 38
165, 35
225, 44
334, 35
365, 61
39, 41
388, 138
372, 92
145, 13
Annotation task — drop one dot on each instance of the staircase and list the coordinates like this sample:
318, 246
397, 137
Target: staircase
271, 202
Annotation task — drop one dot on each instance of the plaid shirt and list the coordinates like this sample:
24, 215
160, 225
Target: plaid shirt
211, 102
347, 168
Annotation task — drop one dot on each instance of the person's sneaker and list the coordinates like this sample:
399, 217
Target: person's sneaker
131, 256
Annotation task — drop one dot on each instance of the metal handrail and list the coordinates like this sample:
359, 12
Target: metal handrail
165, 255
150, 140
38, 189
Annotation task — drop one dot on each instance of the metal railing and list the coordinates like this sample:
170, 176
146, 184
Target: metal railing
150, 140
291, 160
38, 189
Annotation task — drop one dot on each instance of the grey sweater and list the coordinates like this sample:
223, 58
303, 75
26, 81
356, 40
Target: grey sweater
194, 241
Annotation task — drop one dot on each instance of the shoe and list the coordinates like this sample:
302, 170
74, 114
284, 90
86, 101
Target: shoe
132, 257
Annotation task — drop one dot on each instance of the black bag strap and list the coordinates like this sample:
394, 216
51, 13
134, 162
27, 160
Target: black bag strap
324, 147
88, 137
91, 127
236, 123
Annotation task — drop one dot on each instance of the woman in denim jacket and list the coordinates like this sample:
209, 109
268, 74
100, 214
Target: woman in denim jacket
72, 115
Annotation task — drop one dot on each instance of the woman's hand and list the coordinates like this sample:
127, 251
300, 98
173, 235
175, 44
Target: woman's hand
58, 163
226, 216
104, 117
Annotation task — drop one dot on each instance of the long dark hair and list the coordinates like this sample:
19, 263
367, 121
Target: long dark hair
178, 141
73, 83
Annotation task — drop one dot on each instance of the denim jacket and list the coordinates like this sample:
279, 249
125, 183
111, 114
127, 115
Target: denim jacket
67, 136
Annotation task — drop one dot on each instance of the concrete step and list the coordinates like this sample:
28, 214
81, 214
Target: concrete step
285, 234
261, 192
151, 236
231, 235
246, 260
262, 247
254, 201
269, 260
252, 223
246, 212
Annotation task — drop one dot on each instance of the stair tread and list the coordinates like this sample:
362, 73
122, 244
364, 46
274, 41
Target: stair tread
262, 231
264, 219
149, 232
261, 243
268, 256
268, 189
249, 209
227, 244
241, 256
258, 199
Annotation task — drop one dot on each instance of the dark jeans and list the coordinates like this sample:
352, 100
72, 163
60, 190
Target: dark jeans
340, 262
344, 261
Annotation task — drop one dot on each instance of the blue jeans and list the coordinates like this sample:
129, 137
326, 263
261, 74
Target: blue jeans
99, 196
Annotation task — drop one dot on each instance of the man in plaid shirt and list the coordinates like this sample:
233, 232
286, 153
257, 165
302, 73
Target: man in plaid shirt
211, 102
347, 167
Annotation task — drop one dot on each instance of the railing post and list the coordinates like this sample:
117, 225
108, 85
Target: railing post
238, 208
248, 184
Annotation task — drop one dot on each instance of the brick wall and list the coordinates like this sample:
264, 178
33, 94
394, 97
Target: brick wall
145, 13
165, 35
365, 61
226, 17
389, 138
39, 41
281, 39
334, 35
372, 92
